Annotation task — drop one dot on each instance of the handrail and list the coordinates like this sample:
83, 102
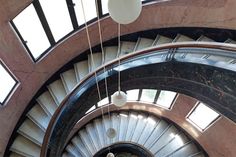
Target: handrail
210, 45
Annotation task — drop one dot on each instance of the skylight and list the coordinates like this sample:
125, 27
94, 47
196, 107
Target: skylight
148, 95
58, 17
166, 98
31, 30
45, 22
104, 6
7, 83
132, 95
91, 109
103, 102
89, 8
202, 116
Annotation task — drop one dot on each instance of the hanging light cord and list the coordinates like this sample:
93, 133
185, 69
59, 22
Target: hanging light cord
91, 51
103, 54
119, 52
103, 61
92, 59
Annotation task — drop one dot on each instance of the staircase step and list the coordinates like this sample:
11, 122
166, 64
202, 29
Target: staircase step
46, 101
69, 80
159, 129
65, 154
115, 119
162, 40
140, 125
127, 47
81, 70
100, 131
164, 138
173, 145
110, 53
72, 151
78, 143
97, 59
151, 124
25, 147
143, 43
230, 41
57, 91
204, 38
189, 150
39, 117
123, 125
219, 58
31, 131
182, 38
15, 155
94, 137
132, 122
107, 124
87, 141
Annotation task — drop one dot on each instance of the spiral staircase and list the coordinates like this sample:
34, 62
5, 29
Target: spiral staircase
28, 141
157, 135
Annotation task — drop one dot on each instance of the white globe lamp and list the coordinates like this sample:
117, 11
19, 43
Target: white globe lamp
111, 133
110, 155
119, 98
124, 11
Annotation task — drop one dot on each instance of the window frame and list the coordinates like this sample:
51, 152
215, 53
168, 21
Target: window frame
14, 86
196, 125
43, 20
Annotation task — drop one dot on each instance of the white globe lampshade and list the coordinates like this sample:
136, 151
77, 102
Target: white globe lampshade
119, 99
124, 11
111, 133
110, 155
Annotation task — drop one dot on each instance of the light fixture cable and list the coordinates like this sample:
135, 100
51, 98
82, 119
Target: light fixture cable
92, 58
103, 61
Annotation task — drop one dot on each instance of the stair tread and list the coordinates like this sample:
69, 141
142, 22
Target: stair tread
47, 103
38, 116
123, 125
32, 131
143, 43
97, 61
78, 143
81, 70
72, 151
110, 53
127, 47
57, 91
151, 123
13, 154
182, 38
162, 125
162, 40
69, 80
204, 38
87, 141
25, 147
139, 127
164, 138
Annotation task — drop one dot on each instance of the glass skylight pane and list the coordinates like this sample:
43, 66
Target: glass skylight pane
58, 17
203, 116
89, 9
91, 109
132, 95
148, 95
104, 6
103, 102
31, 30
166, 98
6, 83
